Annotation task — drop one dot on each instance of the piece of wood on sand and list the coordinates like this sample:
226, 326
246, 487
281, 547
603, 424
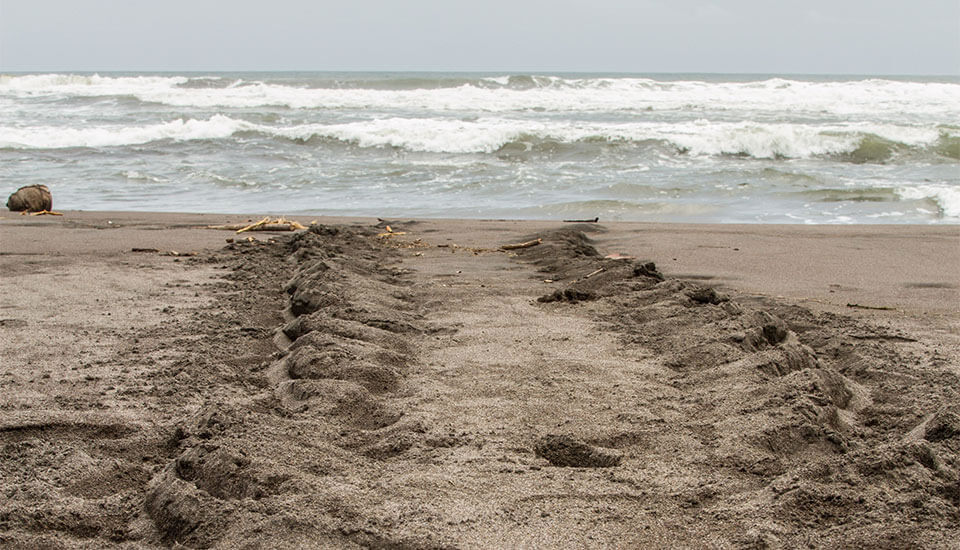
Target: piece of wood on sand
592, 273
43, 213
390, 233
282, 226
254, 225
266, 224
878, 308
517, 246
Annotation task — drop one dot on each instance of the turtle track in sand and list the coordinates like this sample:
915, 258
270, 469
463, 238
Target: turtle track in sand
347, 390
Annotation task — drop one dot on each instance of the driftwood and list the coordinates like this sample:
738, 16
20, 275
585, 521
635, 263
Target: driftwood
517, 246
260, 223
163, 252
879, 308
390, 233
291, 226
591, 274
42, 213
594, 220
266, 224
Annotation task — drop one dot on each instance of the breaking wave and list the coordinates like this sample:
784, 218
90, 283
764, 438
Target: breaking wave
942, 198
505, 93
945, 196
54, 137
858, 143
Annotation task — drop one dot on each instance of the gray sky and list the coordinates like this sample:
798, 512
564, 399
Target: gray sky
751, 36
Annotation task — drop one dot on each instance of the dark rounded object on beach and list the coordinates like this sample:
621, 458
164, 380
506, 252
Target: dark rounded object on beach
31, 198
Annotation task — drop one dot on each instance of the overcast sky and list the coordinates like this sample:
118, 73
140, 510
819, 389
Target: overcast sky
725, 36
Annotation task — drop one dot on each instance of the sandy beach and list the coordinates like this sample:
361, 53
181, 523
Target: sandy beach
410, 384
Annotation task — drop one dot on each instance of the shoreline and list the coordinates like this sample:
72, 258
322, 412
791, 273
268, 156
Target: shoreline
911, 268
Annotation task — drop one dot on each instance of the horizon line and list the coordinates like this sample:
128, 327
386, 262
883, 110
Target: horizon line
478, 71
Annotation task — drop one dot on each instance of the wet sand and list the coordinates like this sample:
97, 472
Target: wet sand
350, 386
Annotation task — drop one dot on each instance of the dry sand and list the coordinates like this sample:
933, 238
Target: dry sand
423, 389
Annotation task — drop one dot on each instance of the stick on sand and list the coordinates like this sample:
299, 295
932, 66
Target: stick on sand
591, 274
265, 224
516, 246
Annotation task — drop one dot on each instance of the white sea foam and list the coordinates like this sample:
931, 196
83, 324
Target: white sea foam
536, 93
436, 136
83, 85
787, 140
945, 195
699, 138
53, 137
498, 80
135, 175
489, 134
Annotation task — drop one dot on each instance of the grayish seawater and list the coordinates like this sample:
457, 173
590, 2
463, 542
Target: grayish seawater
690, 148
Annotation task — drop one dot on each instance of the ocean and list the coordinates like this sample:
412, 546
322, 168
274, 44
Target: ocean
675, 148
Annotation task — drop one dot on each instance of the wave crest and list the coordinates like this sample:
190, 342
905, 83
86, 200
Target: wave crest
510, 93
513, 138
948, 145
52, 137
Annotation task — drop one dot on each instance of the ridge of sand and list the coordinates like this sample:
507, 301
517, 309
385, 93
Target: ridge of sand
343, 389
